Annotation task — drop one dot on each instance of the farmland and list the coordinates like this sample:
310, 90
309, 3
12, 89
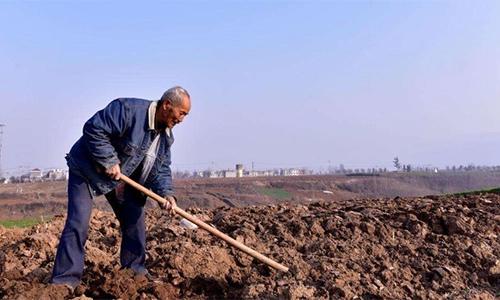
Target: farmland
392, 237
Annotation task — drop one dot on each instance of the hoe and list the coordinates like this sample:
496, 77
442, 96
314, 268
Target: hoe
207, 227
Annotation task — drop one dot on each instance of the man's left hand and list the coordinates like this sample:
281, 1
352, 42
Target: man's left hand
170, 205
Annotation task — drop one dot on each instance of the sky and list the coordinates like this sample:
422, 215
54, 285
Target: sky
277, 83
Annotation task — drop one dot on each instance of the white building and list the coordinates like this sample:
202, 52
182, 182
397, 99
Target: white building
211, 174
263, 173
57, 174
229, 173
35, 175
291, 172
239, 170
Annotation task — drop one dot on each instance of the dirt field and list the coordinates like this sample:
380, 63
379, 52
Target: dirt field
395, 248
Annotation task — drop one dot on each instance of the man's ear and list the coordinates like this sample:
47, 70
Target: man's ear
166, 104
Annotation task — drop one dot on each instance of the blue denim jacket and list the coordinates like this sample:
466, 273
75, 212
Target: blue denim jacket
120, 134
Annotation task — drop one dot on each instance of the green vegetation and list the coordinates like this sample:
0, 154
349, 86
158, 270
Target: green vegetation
23, 223
276, 193
478, 192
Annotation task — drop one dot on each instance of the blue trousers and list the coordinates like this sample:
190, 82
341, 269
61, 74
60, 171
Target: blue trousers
129, 210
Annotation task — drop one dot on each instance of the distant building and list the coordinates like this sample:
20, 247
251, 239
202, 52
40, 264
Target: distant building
35, 175
57, 174
239, 170
263, 173
211, 174
291, 172
198, 174
254, 173
230, 173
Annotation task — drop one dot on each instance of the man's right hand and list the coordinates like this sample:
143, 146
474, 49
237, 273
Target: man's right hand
114, 172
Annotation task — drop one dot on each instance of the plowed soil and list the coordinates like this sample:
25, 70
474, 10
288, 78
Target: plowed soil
401, 248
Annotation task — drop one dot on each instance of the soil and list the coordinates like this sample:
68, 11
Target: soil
435, 247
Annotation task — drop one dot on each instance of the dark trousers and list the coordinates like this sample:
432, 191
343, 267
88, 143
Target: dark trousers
129, 210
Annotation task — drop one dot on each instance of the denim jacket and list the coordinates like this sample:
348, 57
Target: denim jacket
120, 134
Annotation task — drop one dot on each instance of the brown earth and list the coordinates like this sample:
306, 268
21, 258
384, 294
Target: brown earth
445, 247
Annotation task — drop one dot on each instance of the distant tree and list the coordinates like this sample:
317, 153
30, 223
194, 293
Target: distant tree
397, 163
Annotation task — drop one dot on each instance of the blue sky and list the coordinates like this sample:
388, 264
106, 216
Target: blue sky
279, 83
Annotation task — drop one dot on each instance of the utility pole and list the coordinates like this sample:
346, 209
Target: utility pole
1, 133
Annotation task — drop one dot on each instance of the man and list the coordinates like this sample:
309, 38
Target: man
130, 136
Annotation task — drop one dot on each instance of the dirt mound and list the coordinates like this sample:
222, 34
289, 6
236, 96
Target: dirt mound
423, 248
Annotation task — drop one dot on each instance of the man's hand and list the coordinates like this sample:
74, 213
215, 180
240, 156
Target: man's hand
169, 205
114, 172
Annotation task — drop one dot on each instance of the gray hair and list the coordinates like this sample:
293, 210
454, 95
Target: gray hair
175, 95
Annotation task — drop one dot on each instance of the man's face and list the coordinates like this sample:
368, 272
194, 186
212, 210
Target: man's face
174, 114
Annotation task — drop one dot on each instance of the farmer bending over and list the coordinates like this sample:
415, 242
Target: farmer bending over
130, 136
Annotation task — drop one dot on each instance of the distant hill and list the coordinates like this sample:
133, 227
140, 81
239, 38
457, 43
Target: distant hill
49, 198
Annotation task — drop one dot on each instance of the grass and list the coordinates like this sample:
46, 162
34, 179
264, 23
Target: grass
276, 193
22, 223
478, 192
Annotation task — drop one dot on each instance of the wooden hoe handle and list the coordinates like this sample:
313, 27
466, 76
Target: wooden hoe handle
205, 226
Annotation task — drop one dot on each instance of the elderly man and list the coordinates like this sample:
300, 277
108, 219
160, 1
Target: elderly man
130, 136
